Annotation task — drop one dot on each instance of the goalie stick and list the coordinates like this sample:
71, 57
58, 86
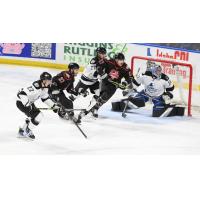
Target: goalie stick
124, 115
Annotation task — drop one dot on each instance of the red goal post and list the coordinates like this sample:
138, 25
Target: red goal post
134, 58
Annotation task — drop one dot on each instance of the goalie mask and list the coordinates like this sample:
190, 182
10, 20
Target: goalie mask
156, 71
150, 65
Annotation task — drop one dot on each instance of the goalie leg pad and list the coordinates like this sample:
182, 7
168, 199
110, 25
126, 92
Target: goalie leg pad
139, 102
177, 111
168, 111
118, 106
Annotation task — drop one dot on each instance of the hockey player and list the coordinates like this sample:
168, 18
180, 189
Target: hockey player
91, 75
62, 90
157, 88
115, 70
26, 98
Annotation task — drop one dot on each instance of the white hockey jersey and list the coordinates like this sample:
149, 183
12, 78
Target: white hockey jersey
155, 87
34, 92
90, 74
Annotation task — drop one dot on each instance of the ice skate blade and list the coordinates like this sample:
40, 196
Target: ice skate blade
26, 138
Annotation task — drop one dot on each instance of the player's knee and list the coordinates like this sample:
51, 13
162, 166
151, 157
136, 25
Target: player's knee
37, 119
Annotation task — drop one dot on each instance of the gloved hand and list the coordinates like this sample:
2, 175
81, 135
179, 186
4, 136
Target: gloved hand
129, 91
72, 97
55, 108
85, 93
125, 92
124, 83
122, 87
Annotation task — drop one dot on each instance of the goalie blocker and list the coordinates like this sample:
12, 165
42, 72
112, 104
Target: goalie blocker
166, 110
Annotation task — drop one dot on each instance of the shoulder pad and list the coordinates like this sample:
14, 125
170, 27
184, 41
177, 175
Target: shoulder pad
164, 77
37, 84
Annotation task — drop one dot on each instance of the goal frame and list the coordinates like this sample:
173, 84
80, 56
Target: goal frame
170, 62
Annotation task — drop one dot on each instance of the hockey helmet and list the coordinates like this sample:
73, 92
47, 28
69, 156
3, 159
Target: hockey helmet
101, 50
156, 70
45, 76
73, 66
119, 56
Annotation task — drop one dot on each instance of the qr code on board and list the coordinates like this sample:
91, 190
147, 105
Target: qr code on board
42, 50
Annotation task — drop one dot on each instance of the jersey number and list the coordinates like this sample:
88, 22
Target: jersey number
30, 89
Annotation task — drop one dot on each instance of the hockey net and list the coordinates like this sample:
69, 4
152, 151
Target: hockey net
180, 73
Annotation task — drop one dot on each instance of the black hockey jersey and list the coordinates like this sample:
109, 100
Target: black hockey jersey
63, 81
116, 73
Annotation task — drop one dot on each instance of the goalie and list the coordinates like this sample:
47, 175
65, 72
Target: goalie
157, 89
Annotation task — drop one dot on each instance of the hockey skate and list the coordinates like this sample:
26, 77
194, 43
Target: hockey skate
82, 114
25, 132
94, 113
71, 117
76, 120
63, 114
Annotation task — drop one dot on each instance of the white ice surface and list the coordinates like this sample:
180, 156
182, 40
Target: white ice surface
139, 133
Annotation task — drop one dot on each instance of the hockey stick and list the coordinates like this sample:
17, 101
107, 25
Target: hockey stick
67, 110
118, 85
76, 124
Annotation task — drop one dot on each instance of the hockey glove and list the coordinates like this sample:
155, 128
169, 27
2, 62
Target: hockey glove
129, 92
72, 97
85, 93
55, 108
